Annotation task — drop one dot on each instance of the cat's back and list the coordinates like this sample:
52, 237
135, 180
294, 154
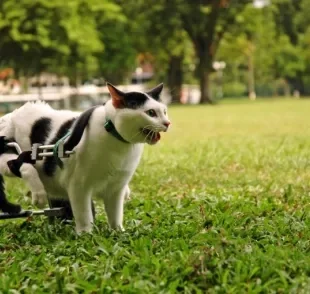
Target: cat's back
27, 114
19, 121
37, 122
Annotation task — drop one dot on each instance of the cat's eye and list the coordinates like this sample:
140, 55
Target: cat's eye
165, 111
151, 113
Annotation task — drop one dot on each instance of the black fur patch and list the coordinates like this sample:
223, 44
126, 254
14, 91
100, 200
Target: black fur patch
134, 100
50, 163
54, 203
40, 130
4, 148
78, 129
5, 205
15, 164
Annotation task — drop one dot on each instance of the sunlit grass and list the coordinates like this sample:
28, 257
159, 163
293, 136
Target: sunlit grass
221, 205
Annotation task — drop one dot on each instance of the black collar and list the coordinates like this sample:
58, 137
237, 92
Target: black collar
110, 128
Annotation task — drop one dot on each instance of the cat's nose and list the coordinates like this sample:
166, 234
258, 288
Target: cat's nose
167, 124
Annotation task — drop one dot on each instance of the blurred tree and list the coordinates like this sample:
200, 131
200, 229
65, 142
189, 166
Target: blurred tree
116, 62
206, 22
27, 38
292, 21
245, 47
82, 39
87, 42
158, 32
262, 30
62, 37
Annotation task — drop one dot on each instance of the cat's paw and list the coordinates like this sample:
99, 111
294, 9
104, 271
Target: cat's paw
39, 199
117, 228
83, 229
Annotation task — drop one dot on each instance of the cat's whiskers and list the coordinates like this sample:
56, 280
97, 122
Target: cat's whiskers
157, 129
153, 135
147, 127
152, 132
135, 135
146, 137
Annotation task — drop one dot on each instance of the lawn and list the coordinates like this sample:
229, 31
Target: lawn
221, 205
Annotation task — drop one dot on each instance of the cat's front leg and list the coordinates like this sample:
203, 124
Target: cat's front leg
13, 165
80, 201
114, 207
31, 176
127, 193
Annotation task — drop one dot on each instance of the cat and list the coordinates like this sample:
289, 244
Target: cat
107, 141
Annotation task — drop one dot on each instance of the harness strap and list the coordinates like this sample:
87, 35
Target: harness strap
55, 150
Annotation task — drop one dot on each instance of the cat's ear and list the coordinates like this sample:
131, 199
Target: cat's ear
117, 96
155, 92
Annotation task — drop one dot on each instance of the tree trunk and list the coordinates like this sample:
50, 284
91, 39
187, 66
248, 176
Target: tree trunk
287, 89
251, 77
204, 79
77, 79
205, 54
300, 84
175, 78
297, 83
25, 82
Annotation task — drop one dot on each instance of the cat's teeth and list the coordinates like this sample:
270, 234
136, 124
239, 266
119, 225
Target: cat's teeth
151, 135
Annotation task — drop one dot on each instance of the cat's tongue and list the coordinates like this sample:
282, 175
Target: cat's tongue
156, 138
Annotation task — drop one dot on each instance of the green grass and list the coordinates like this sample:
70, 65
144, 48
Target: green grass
221, 205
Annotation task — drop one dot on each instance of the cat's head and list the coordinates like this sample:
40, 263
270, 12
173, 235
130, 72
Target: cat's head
139, 117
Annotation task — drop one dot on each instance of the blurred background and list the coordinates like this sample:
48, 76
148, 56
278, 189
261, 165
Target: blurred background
204, 51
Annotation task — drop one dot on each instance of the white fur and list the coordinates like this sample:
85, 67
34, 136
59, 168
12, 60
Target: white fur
101, 166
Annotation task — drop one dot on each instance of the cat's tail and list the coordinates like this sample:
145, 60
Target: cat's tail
5, 205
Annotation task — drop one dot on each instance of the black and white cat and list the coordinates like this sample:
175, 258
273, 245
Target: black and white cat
108, 144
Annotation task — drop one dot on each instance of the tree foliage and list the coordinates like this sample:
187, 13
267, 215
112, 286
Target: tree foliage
180, 38
62, 37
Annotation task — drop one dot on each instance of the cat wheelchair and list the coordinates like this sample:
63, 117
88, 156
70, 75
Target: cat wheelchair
60, 209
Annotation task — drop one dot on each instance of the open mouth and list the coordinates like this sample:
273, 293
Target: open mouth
151, 137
